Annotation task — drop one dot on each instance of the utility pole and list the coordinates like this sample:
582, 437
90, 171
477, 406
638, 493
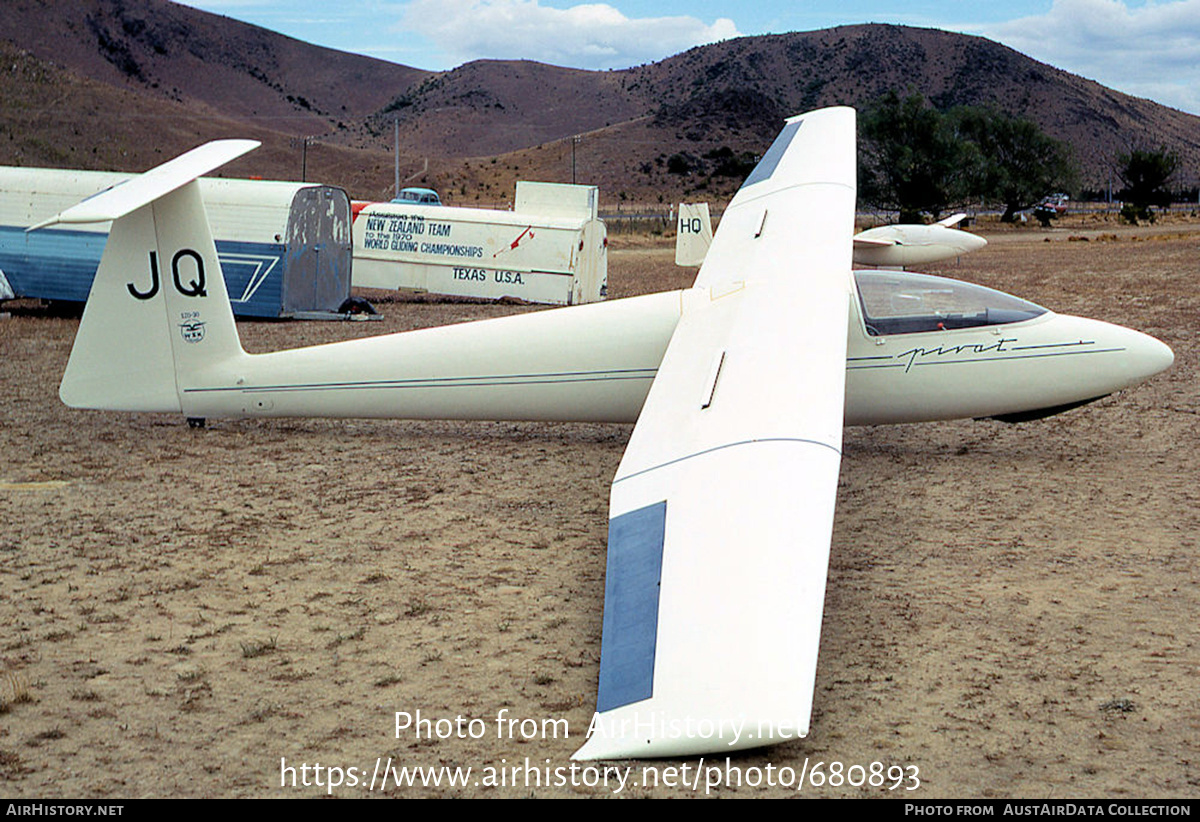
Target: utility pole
311, 140
304, 141
396, 151
576, 140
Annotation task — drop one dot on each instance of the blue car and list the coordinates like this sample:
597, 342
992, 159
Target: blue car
418, 196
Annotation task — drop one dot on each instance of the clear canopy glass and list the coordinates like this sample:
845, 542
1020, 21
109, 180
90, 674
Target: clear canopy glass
901, 302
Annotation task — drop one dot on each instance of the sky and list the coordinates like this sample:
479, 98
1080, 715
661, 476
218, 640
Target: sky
1148, 48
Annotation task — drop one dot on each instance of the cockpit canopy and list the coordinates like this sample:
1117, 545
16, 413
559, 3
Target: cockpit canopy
901, 302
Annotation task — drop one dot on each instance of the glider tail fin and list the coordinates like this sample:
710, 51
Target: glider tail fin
693, 234
158, 313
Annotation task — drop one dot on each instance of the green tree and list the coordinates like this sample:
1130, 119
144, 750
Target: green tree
1146, 175
911, 160
1018, 164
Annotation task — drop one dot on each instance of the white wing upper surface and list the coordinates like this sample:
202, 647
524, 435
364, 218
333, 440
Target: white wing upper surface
722, 508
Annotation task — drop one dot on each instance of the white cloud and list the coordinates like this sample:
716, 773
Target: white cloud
593, 35
1149, 51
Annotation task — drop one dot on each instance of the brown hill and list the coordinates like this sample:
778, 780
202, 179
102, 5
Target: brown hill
122, 83
733, 94
490, 107
55, 118
240, 70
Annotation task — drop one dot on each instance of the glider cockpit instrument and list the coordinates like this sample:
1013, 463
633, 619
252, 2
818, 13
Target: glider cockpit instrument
722, 507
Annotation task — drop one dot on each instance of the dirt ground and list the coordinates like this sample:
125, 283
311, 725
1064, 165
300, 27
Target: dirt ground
1011, 610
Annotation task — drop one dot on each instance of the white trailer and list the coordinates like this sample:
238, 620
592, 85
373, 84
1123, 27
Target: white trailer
551, 248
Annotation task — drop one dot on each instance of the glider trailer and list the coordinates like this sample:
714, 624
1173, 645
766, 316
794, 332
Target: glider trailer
285, 248
551, 248
722, 508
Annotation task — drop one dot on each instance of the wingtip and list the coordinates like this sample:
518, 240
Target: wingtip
826, 138
647, 732
828, 111
55, 220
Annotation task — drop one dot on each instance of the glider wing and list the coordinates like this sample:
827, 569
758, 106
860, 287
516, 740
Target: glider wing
722, 508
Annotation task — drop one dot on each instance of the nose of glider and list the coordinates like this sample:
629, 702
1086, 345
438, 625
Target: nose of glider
1139, 356
970, 242
1150, 356
1102, 358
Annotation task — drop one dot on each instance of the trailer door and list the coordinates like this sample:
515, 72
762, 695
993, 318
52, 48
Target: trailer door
316, 274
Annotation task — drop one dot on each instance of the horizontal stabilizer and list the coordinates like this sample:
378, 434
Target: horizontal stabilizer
131, 195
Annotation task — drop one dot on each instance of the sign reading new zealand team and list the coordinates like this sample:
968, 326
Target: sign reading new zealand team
554, 257
413, 234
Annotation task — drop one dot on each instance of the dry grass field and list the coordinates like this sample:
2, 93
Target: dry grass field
1011, 610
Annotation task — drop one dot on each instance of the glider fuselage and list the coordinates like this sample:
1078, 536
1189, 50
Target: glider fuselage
595, 363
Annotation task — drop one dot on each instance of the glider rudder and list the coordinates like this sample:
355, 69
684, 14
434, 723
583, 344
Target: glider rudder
158, 310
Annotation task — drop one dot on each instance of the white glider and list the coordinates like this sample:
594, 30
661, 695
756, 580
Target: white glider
722, 508
889, 246
905, 245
